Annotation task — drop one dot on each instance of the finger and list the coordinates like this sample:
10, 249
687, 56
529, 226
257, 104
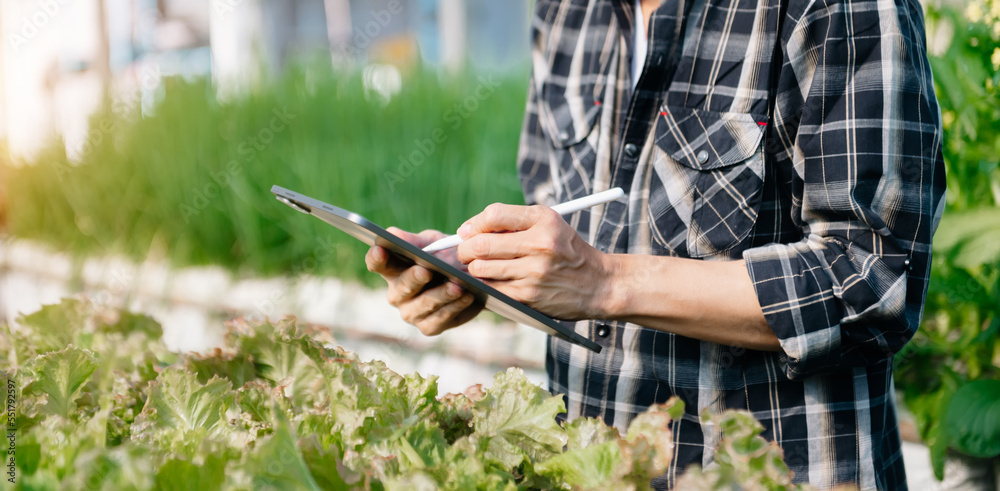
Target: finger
446, 316
402, 234
429, 301
378, 260
421, 239
503, 269
499, 217
408, 284
501, 246
426, 237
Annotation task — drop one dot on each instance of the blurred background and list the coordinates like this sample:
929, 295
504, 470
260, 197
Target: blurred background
139, 140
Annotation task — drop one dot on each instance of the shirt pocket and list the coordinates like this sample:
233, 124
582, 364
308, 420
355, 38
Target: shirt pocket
570, 119
718, 159
570, 88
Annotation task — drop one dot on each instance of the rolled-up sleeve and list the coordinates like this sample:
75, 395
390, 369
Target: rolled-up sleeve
857, 121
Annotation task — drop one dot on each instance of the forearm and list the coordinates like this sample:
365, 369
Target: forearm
711, 301
542, 261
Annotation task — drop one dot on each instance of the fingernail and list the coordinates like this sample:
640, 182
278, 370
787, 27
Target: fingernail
423, 275
464, 230
378, 254
454, 290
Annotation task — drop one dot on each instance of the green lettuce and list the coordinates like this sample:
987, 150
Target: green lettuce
743, 456
518, 420
276, 462
56, 379
180, 412
101, 404
52, 328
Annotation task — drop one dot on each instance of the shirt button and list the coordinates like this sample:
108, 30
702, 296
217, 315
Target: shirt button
603, 330
703, 156
563, 136
906, 263
631, 150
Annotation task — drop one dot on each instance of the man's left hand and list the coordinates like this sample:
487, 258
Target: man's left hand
531, 254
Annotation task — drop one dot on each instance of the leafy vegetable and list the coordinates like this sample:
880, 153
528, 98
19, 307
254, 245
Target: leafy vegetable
50, 329
596, 467
180, 412
182, 474
598, 458
277, 408
57, 377
518, 421
743, 457
277, 462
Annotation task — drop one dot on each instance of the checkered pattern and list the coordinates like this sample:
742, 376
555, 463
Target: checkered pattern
801, 137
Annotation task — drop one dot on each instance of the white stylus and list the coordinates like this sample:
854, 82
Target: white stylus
562, 209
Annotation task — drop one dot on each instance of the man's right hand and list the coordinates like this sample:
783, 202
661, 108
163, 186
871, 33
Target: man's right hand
433, 310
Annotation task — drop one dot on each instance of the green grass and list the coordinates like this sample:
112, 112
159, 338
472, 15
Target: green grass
146, 187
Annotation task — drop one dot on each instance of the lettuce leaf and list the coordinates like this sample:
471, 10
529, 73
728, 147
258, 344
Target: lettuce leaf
453, 414
518, 419
584, 432
276, 462
326, 464
284, 355
180, 412
743, 456
129, 323
57, 377
229, 364
181, 475
463, 467
57, 447
649, 441
126, 403
597, 457
256, 401
598, 466
50, 329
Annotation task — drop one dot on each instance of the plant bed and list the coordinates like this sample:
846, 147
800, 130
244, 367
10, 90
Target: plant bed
99, 403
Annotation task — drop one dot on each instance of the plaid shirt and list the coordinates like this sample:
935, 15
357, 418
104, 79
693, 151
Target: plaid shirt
801, 137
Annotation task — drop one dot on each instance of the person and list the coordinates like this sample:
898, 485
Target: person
783, 170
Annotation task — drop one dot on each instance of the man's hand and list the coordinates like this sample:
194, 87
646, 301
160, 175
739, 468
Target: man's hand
539, 260
532, 254
433, 309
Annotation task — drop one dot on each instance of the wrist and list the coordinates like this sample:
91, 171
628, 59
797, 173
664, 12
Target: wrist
614, 289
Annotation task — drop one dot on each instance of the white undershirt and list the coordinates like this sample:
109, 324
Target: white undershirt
640, 44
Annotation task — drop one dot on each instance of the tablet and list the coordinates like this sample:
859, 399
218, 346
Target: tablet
364, 230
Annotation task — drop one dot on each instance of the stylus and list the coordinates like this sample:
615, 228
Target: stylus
562, 209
